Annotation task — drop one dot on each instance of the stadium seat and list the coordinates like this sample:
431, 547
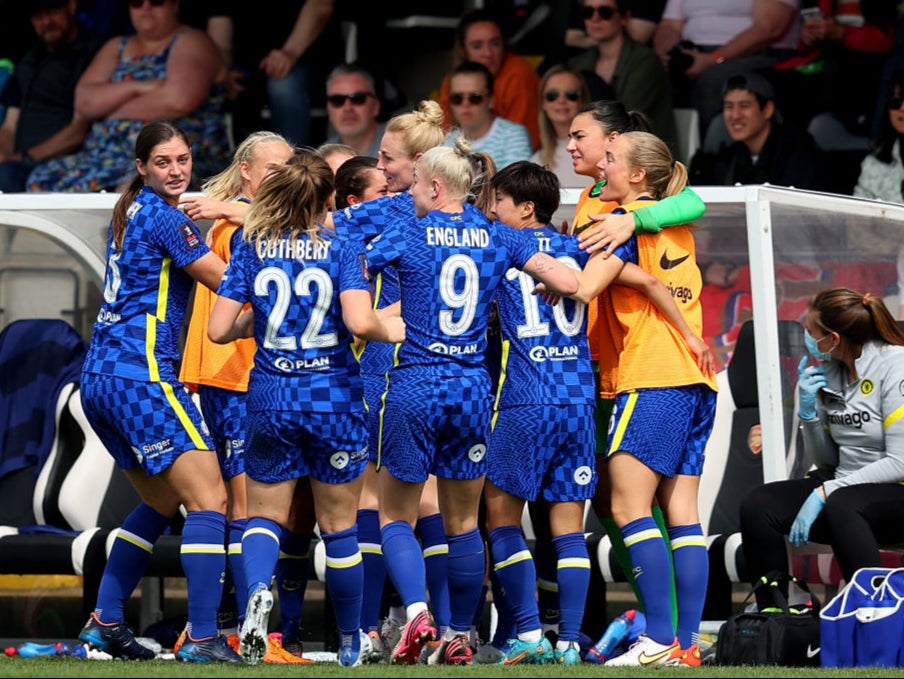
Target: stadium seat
687, 120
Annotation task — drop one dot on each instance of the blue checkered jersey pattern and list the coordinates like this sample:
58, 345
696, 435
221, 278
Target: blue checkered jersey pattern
545, 354
136, 334
365, 221
304, 359
450, 266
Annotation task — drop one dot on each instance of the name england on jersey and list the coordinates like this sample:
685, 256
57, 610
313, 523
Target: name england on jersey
449, 237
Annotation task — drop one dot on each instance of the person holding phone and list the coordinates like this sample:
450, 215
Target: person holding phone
851, 401
837, 64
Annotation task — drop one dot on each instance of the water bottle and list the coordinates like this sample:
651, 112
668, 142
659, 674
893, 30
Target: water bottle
32, 650
615, 633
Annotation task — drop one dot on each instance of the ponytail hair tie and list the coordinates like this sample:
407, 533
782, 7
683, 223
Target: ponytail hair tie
866, 298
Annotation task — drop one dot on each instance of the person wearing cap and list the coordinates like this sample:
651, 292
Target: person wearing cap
763, 150
41, 121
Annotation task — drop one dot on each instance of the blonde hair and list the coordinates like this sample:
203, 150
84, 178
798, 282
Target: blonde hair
292, 202
421, 128
548, 139
228, 184
646, 151
452, 164
482, 195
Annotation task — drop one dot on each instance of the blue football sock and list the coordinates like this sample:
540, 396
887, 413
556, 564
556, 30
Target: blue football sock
369, 540
406, 567
547, 567
260, 552
467, 563
128, 560
574, 580
237, 596
436, 566
652, 567
514, 567
505, 621
691, 575
344, 577
203, 555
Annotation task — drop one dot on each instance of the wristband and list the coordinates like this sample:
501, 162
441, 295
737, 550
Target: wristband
717, 55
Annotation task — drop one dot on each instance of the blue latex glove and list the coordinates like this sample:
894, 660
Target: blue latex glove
810, 381
800, 529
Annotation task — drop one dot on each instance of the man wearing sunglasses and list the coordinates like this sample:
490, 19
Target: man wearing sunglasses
41, 121
352, 107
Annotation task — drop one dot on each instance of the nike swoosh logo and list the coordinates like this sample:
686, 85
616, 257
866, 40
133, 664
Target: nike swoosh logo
517, 659
811, 653
645, 659
666, 263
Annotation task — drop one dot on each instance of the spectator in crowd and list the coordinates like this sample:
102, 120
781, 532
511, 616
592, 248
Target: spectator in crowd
619, 68
280, 56
352, 106
853, 500
215, 17
165, 71
703, 42
134, 400
562, 93
882, 171
479, 38
837, 69
894, 61
643, 17
763, 150
41, 121
471, 97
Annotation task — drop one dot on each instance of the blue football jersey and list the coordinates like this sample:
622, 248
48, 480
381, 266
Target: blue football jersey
545, 354
304, 359
449, 267
137, 331
365, 221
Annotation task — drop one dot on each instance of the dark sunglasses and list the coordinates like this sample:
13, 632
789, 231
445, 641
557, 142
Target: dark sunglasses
604, 13
894, 103
136, 4
570, 95
474, 98
357, 99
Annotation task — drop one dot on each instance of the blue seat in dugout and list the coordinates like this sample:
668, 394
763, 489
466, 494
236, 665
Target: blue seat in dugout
39, 358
